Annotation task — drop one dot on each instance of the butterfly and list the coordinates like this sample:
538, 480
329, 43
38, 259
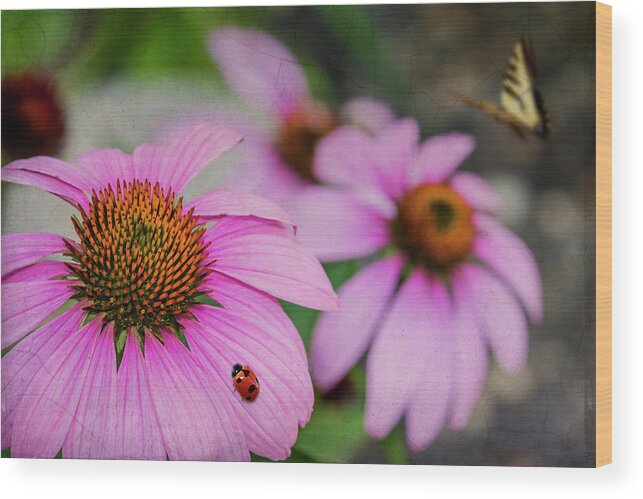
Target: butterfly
522, 106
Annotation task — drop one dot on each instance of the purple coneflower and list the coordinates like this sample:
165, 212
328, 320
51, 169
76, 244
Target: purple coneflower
279, 144
163, 298
443, 282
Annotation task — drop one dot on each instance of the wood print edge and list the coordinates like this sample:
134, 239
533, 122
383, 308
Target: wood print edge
603, 234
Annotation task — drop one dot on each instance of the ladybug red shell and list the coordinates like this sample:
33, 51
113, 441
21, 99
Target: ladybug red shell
245, 382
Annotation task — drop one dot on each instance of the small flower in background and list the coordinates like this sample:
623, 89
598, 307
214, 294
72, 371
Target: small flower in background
444, 280
167, 296
33, 121
287, 122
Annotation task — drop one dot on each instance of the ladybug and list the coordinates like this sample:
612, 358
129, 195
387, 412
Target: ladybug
245, 381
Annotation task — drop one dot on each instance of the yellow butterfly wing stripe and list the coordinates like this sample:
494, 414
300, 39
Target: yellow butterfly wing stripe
518, 97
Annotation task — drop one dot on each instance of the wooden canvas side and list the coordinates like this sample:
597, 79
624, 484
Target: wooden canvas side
603, 234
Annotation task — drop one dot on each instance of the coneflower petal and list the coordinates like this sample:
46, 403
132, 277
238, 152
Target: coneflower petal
397, 344
41, 271
108, 166
502, 318
52, 175
27, 304
174, 164
430, 397
261, 308
260, 69
96, 418
224, 338
48, 404
509, 256
340, 338
477, 192
194, 423
257, 253
21, 364
439, 156
221, 202
469, 350
23, 248
357, 228
137, 434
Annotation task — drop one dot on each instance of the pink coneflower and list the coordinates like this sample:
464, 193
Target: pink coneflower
443, 282
279, 144
166, 297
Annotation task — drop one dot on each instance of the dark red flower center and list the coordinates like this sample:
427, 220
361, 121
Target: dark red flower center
141, 261
434, 226
33, 122
299, 134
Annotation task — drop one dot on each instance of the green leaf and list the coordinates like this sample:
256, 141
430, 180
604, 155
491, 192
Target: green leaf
34, 38
295, 457
120, 341
340, 272
335, 432
394, 448
208, 300
303, 318
145, 43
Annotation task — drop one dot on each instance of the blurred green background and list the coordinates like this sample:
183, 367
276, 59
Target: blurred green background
121, 73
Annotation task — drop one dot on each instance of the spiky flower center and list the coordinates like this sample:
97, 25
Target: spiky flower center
141, 261
434, 226
299, 134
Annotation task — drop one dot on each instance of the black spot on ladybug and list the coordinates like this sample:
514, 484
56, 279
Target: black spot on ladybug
251, 388
248, 398
239, 380
246, 372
